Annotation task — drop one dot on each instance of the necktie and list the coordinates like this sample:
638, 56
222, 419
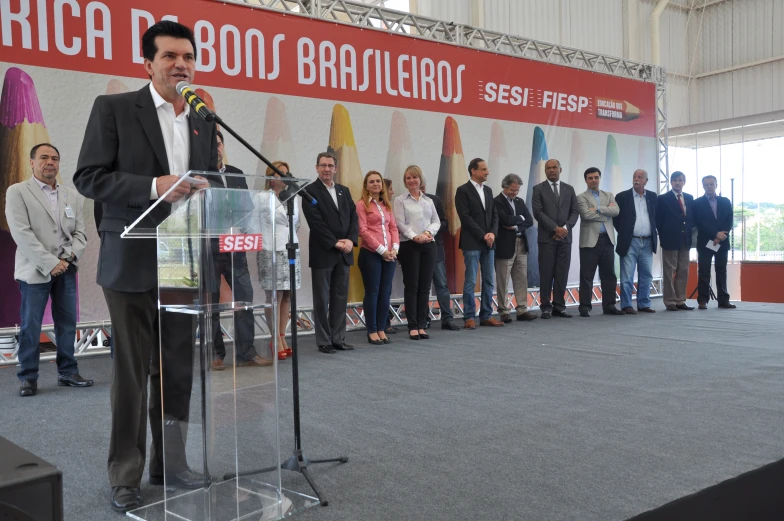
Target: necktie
680, 202
555, 191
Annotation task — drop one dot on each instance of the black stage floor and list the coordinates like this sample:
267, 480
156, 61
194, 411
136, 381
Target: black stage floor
580, 419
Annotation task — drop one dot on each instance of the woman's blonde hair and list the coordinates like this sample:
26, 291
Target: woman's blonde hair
383, 196
414, 170
271, 173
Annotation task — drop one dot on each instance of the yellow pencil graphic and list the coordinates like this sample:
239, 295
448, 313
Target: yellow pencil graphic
349, 173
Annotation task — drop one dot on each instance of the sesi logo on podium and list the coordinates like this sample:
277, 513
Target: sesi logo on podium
239, 243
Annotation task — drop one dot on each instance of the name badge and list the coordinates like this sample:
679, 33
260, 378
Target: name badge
69, 212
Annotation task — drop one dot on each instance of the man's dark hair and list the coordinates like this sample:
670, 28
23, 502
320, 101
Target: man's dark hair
165, 28
326, 154
473, 165
710, 177
592, 170
677, 174
39, 145
220, 135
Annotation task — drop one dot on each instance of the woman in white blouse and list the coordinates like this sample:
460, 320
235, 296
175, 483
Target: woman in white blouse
280, 278
417, 223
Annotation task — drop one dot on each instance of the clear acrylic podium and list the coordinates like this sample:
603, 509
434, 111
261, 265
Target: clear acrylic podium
217, 422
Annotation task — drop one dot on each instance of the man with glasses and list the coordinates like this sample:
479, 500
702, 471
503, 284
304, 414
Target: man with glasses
674, 222
334, 231
713, 217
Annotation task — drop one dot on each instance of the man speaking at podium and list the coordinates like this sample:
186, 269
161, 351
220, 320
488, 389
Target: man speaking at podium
134, 146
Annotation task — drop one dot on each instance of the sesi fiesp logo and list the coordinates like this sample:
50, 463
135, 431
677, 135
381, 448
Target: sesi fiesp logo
239, 243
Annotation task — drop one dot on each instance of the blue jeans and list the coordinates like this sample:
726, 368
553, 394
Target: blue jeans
473, 260
442, 290
34, 297
641, 257
377, 275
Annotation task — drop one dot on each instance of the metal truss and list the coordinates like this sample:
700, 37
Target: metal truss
662, 136
93, 337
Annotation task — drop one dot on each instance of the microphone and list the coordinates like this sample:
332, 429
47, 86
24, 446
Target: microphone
185, 90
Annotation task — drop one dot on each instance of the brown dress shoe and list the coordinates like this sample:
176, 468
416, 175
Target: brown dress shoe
491, 322
646, 310
218, 365
256, 361
671, 307
470, 324
629, 310
527, 316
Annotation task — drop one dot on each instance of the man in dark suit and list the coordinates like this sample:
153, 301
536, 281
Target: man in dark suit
134, 147
478, 229
636, 243
674, 222
439, 271
334, 230
234, 268
511, 248
555, 210
713, 218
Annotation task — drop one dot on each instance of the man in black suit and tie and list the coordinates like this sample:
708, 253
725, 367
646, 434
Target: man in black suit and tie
713, 218
134, 147
511, 248
234, 268
334, 230
674, 222
478, 229
636, 243
555, 210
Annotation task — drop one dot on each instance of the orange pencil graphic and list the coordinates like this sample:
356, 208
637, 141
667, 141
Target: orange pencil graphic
342, 144
399, 154
21, 128
617, 110
451, 174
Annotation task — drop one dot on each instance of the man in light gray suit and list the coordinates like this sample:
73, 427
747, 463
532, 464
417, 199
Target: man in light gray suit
555, 210
597, 244
45, 220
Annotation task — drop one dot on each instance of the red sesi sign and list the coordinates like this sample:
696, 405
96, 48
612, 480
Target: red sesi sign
236, 243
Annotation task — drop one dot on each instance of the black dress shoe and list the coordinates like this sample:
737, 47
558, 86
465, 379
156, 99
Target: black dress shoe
646, 310
450, 325
702, 305
685, 307
28, 388
506, 319
187, 479
562, 314
326, 349
343, 347
613, 311
584, 313
391, 330
545, 315
727, 306
427, 323
126, 498
73, 380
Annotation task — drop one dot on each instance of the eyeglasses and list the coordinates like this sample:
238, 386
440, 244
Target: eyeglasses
325, 165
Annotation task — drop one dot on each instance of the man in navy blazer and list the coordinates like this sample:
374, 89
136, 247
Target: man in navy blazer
674, 222
636, 243
713, 217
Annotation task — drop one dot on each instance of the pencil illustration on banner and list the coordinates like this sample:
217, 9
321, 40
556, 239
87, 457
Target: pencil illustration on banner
399, 155
276, 143
498, 159
451, 174
539, 157
21, 128
612, 180
576, 160
116, 86
349, 173
618, 110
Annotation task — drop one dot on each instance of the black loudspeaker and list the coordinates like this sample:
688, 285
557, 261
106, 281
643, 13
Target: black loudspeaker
30, 488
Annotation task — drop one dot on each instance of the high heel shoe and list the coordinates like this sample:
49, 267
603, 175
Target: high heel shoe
282, 355
386, 340
289, 352
375, 342
413, 337
424, 336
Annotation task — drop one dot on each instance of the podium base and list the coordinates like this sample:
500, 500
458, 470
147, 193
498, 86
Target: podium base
230, 500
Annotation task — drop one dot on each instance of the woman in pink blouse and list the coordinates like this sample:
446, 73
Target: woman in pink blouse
377, 254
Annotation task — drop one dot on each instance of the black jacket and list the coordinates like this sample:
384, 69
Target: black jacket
708, 225
475, 221
329, 224
627, 216
674, 228
522, 219
441, 256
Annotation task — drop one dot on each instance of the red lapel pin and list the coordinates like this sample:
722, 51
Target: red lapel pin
196, 131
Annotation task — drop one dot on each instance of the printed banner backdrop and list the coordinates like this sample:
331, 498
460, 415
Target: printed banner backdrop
294, 86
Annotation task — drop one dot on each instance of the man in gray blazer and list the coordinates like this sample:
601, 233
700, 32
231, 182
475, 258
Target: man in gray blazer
597, 244
45, 220
555, 210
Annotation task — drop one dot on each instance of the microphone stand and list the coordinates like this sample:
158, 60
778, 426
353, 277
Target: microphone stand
298, 462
